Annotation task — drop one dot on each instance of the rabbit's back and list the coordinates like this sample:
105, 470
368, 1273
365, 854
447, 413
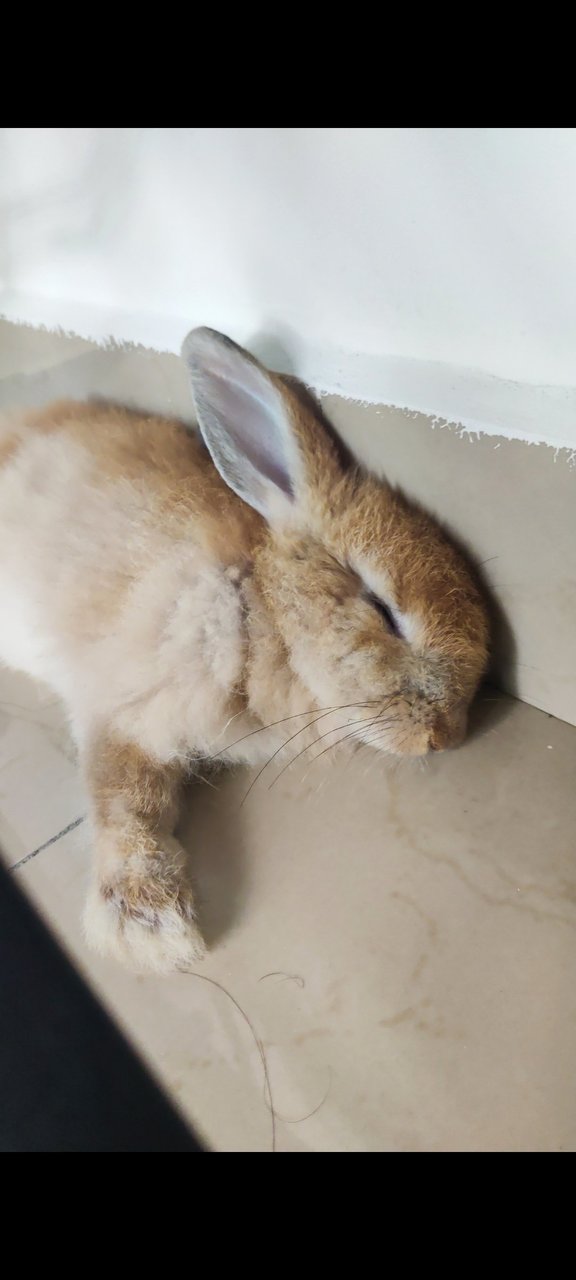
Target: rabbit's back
117, 541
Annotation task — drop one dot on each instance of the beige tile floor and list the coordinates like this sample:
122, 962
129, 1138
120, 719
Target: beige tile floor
402, 939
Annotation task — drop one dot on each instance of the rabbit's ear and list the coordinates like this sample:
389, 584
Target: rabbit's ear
244, 419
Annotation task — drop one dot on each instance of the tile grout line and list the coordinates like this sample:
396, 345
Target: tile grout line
28, 857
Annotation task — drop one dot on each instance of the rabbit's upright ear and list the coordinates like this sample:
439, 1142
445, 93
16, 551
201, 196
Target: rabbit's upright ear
245, 420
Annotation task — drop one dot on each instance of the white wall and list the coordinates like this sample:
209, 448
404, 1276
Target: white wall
429, 268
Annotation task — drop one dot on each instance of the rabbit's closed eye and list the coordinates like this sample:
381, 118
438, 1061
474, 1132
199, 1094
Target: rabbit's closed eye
387, 614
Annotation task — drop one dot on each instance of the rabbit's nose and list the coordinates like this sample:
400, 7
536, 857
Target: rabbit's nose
440, 736
446, 732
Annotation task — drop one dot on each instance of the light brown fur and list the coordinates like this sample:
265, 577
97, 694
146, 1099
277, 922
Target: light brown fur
143, 883
178, 622
8, 446
162, 455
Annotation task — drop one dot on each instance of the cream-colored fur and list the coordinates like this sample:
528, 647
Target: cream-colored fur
177, 611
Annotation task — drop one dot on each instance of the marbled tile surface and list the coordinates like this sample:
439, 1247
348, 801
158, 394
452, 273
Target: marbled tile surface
402, 939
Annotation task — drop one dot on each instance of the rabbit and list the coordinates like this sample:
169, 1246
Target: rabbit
215, 594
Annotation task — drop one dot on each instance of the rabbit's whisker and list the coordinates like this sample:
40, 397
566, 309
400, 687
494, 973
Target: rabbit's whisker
368, 721
320, 753
274, 723
303, 729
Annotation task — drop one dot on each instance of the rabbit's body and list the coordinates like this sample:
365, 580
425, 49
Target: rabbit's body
122, 578
178, 613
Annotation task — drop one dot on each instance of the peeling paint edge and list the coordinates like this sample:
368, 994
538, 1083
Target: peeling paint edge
472, 402
468, 430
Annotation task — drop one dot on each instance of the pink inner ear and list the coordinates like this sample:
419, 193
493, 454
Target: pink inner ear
253, 426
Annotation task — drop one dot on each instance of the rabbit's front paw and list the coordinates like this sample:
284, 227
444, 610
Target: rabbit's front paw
148, 925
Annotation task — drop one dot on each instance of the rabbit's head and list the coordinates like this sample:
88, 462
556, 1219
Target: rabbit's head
376, 608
